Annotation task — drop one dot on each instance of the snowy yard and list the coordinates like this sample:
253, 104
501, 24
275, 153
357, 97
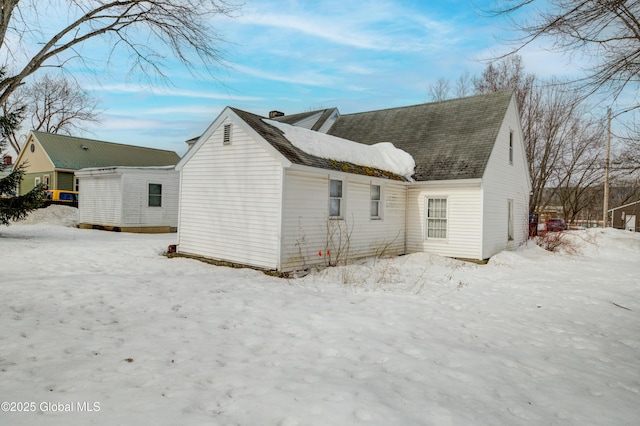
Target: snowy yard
101, 321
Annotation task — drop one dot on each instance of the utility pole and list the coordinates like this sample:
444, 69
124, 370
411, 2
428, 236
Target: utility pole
606, 171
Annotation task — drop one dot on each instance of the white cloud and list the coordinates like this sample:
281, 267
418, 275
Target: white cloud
379, 26
127, 88
309, 77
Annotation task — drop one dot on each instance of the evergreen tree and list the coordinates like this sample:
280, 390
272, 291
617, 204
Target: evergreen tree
12, 205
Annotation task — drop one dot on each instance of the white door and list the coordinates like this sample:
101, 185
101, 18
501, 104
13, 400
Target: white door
630, 222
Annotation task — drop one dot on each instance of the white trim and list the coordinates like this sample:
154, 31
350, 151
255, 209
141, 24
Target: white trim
426, 217
342, 198
510, 220
24, 149
621, 207
228, 113
451, 182
380, 201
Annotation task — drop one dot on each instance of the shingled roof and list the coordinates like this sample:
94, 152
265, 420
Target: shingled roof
295, 119
449, 140
276, 138
73, 153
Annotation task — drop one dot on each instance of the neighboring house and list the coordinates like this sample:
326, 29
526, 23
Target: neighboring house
6, 166
52, 159
250, 195
626, 217
128, 199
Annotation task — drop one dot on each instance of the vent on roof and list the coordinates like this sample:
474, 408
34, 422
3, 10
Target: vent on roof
226, 138
85, 147
274, 114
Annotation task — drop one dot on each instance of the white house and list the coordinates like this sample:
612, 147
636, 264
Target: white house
251, 194
128, 199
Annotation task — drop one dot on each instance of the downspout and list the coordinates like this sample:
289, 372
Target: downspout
406, 216
178, 233
280, 220
481, 254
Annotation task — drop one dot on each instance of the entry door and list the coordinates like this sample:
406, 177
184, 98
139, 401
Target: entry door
630, 222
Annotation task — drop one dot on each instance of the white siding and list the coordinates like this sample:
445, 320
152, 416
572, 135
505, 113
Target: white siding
503, 181
135, 208
100, 200
464, 220
306, 227
118, 196
230, 200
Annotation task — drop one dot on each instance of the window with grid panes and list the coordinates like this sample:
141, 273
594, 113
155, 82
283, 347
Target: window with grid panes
335, 198
436, 218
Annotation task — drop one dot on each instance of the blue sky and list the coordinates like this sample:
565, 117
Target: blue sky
296, 56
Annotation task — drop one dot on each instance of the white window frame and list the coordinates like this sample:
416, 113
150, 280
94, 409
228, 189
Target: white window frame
511, 147
377, 202
149, 194
226, 134
47, 181
339, 198
510, 227
439, 219
37, 181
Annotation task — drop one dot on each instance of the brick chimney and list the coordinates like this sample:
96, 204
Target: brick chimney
274, 114
7, 160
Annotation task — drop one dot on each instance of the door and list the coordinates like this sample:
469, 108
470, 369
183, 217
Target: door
630, 222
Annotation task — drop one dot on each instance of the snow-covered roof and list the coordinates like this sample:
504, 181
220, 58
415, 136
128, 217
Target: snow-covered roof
271, 131
384, 155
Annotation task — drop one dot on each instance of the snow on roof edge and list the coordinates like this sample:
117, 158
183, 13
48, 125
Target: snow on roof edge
384, 156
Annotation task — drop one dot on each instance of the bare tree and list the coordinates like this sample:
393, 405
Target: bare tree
145, 29
607, 32
52, 105
581, 168
560, 143
464, 85
439, 91
507, 74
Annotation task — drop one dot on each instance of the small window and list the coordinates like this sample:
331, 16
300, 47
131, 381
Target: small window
155, 195
46, 182
77, 185
511, 147
335, 198
375, 202
226, 138
37, 181
437, 218
510, 220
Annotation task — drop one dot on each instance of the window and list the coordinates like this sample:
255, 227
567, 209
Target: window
37, 181
375, 202
335, 198
510, 220
511, 147
226, 138
46, 182
436, 218
77, 185
155, 195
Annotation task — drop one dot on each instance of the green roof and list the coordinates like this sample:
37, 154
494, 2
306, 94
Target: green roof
73, 153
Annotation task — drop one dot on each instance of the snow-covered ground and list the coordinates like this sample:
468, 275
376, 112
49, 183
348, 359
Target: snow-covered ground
102, 321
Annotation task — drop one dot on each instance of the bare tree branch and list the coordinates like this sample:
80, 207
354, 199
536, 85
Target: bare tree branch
50, 104
607, 32
144, 27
